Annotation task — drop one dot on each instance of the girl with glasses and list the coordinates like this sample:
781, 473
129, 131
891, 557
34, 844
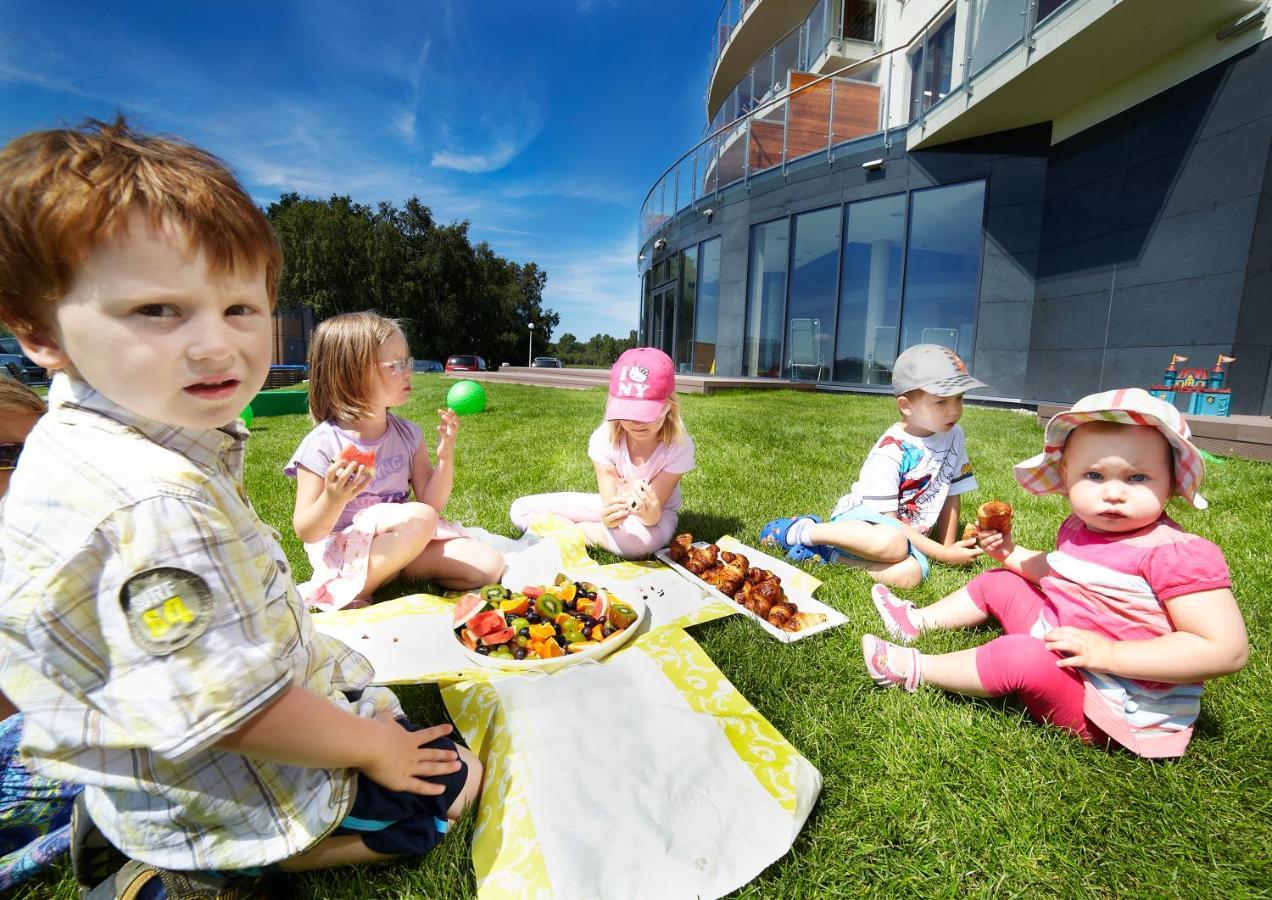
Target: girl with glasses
357, 470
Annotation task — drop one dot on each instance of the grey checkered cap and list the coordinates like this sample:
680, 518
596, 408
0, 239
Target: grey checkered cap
935, 369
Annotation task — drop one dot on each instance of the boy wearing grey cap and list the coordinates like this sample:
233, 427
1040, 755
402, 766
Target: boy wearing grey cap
909, 484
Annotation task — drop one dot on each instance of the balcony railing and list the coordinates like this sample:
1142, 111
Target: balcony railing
806, 115
796, 50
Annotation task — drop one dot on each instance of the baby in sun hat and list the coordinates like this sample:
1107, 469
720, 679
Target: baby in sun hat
1111, 634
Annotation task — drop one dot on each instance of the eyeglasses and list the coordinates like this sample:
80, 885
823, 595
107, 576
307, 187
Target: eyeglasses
9, 454
399, 366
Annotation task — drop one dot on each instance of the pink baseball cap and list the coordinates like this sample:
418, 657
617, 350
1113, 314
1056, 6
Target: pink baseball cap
640, 383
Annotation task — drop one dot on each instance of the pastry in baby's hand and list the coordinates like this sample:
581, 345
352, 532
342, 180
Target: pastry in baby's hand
970, 531
994, 516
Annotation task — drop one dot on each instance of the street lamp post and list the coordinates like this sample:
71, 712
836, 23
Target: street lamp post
530, 351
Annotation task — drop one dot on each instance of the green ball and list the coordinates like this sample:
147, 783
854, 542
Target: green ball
466, 397
246, 415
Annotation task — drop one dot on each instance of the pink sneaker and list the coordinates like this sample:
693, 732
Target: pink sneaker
895, 613
881, 658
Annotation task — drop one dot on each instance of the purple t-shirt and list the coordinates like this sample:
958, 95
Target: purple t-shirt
394, 451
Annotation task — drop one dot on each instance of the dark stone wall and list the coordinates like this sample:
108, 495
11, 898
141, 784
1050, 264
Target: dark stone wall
1146, 234
1155, 239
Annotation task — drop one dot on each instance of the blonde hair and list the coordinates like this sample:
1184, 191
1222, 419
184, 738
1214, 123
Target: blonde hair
343, 355
673, 427
16, 397
65, 191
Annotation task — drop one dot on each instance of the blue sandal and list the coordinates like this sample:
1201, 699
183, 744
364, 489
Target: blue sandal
774, 535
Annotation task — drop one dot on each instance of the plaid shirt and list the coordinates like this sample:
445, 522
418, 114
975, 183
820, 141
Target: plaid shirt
127, 686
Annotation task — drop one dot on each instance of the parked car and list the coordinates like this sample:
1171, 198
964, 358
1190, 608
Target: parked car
546, 362
465, 362
17, 364
428, 365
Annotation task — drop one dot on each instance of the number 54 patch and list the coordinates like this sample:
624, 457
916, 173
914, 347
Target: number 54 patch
166, 609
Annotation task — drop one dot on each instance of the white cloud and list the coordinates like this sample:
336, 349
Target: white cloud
496, 157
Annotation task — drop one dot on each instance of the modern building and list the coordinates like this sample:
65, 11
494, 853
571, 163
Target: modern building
1067, 192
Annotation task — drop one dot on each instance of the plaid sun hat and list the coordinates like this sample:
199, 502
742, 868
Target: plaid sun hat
1130, 406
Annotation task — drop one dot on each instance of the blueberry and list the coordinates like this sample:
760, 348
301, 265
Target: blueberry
519, 653
483, 649
525, 632
533, 617
607, 630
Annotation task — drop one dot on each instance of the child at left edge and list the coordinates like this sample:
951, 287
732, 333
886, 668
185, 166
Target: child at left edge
359, 526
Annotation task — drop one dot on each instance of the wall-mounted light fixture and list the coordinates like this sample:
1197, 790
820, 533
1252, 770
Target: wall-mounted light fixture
640, 259
873, 165
660, 243
708, 212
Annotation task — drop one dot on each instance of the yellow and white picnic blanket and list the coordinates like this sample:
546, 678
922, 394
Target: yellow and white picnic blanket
645, 774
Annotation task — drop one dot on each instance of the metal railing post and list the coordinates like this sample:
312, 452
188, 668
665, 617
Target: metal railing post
830, 127
970, 19
887, 106
746, 159
1031, 19
786, 121
719, 144
693, 187
675, 194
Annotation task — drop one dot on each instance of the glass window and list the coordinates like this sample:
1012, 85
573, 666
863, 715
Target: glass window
708, 303
870, 290
656, 321
942, 267
684, 309
931, 67
765, 311
811, 307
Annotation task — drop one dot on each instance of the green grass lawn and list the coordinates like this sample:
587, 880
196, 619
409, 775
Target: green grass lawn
928, 794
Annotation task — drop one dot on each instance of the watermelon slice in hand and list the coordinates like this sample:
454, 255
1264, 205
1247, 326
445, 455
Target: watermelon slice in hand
352, 454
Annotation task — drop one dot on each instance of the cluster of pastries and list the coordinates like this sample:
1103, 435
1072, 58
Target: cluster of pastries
732, 574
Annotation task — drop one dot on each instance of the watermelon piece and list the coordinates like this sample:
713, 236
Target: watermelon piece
486, 623
466, 608
501, 636
350, 453
533, 592
600, 606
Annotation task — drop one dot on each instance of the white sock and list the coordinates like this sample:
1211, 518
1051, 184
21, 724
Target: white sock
797, 534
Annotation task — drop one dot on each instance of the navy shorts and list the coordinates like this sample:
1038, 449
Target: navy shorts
399, 823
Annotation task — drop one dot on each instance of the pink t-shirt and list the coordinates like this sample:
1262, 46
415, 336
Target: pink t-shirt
1094, 576
676, 458
394, 451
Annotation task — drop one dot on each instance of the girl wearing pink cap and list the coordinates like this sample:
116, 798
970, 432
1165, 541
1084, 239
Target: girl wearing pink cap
639, 452
1112, 634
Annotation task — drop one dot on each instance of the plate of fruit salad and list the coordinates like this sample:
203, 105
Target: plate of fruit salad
544, 627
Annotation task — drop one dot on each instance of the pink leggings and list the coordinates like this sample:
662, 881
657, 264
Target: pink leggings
1018, 663
632, 538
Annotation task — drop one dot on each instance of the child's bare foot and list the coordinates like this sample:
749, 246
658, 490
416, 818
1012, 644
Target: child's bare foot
891, 665
897, 614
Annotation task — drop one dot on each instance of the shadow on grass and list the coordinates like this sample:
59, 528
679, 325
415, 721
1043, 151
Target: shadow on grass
709, 527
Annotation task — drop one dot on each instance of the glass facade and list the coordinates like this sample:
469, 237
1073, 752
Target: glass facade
708, 307
870, 290
811, 303
942, 267
766, 300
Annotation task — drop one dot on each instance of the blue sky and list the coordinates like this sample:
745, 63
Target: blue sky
543, 123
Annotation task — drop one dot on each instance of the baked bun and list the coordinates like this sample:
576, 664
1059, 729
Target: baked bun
994, 516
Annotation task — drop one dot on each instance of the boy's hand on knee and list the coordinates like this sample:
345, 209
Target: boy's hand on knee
401, 762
